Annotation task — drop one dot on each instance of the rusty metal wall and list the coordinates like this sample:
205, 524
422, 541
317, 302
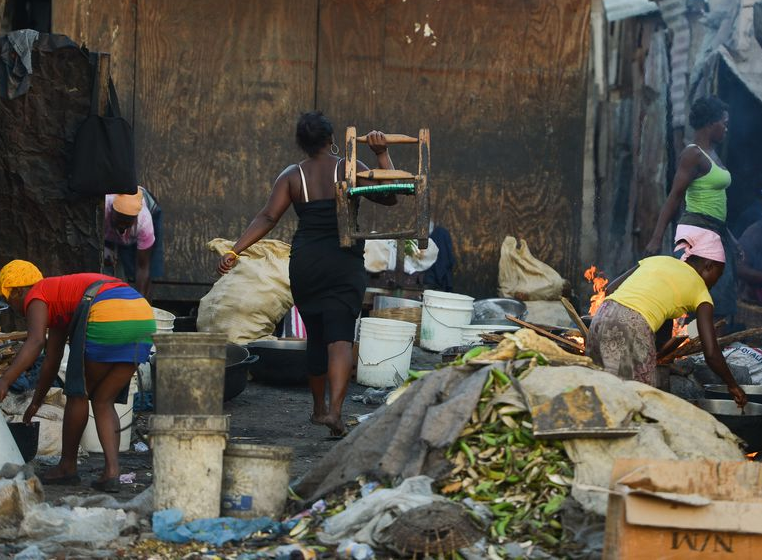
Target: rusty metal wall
37, 221
500, 84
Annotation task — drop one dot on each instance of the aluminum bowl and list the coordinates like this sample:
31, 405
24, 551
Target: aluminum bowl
746, 423
493, 311
720, 391
281, 361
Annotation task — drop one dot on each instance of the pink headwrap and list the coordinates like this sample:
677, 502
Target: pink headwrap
700, 242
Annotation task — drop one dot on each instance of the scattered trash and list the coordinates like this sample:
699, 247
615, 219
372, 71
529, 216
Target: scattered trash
20, 490
366, 519
142, 504
318, 507
46, 524
351, 550
372, 396
128, 478
369, 488
168, 526
140, 447
290, 551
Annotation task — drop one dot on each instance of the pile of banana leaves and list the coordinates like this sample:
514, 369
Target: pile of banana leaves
498, 462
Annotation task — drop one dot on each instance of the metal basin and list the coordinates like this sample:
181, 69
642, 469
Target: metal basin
388, 302
281, 362
238, 360
720, 391
493, 311
746, 423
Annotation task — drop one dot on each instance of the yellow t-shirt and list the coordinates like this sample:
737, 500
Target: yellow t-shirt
662, 288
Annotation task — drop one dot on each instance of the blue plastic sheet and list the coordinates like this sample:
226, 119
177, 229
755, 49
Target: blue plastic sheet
168, 526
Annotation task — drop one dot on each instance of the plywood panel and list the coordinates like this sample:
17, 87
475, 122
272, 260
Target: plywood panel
105, 26
502, 87
218, 93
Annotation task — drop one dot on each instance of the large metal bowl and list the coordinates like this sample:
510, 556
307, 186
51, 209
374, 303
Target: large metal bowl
746, 423
281, 362
492, 311
720, 391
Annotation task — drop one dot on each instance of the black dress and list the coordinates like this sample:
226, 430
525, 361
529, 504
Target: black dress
327, 281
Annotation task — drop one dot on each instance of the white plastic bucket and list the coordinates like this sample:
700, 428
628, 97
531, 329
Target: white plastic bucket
255, 480
187, 463
442, 316
9, 451
386, 347
470, 333
90, 441
165, 321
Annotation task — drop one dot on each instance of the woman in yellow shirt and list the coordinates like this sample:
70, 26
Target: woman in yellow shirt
658, 289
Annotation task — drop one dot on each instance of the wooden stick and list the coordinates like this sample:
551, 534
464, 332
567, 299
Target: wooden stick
385, 175
694, 345
17, 335
392, 139
543, 332
576, 318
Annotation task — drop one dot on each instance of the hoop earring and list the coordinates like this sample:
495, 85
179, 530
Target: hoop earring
334, 149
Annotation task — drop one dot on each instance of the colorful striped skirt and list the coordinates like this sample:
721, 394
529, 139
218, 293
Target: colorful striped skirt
119, 327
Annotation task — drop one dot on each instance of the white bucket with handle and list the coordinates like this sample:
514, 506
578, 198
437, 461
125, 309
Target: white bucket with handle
442, 317
386, 347
90, 441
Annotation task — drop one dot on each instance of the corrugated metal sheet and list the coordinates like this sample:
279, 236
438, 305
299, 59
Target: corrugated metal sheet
623, 9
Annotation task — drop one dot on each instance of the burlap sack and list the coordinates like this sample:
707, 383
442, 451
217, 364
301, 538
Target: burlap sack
248, 302
524, 277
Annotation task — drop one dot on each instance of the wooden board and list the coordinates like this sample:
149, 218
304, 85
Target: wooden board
502, 87
218, 93
106, 26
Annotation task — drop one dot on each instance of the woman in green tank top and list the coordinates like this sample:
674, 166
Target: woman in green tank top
701, 181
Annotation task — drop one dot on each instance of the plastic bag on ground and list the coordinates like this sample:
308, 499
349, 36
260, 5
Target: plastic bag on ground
365, 520
96, 526
20, 490
249, 300
522, 276
168, 526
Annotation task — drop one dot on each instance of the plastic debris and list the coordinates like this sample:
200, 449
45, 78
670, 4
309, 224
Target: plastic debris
168, 526
351, 550
372, 396
318, 507
369, 488
140, 447
291, 551
128, 478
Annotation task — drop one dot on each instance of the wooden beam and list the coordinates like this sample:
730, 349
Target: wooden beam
392, 139
104, 70
386, 175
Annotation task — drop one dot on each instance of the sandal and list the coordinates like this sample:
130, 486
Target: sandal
110, 485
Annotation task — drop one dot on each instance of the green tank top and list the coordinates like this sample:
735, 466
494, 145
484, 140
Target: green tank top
706, 195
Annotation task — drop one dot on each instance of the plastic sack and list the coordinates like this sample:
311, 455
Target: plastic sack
381, 255
522, 276
248, 301
739, 354
96, 526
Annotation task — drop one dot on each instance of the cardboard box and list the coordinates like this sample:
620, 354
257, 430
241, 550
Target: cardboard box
684, 509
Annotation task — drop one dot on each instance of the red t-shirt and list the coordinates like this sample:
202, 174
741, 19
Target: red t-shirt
62, 294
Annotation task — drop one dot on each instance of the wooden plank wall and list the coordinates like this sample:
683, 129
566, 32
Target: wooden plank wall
105, 26
502, 87
218, 91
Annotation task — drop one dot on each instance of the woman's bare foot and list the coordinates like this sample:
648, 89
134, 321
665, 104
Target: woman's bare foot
334, 423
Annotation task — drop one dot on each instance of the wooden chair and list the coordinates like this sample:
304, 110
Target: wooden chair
348, 192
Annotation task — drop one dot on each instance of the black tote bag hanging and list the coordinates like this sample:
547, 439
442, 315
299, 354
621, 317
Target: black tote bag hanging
104, 149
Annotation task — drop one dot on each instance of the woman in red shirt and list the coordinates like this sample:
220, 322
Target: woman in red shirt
109, 327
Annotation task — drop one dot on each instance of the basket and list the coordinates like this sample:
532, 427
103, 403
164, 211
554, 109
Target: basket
409, 314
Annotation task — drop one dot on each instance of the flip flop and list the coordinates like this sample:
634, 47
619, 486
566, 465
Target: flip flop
110, 485
67, 480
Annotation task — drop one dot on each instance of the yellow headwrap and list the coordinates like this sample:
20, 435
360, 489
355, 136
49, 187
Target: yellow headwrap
129, 204
17, 274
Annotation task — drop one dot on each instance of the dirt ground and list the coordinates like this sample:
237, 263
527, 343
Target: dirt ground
268, 415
